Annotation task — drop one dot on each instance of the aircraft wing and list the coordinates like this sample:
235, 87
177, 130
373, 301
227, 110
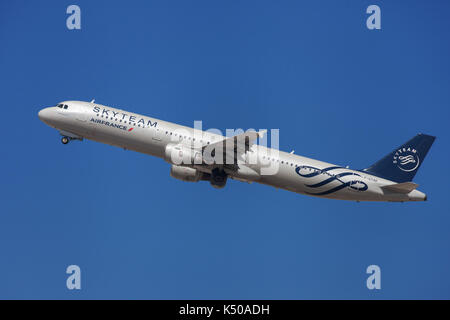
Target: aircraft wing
235, 146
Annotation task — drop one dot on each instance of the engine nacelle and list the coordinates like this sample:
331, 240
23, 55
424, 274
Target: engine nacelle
185, 173
177, 154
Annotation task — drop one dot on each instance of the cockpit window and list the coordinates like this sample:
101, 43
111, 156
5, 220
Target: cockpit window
65, 106
59, 105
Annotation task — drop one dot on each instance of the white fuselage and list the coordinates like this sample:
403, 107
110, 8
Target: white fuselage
152, 136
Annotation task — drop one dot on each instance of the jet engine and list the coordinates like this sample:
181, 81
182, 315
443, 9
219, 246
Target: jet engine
187, 174
177, 154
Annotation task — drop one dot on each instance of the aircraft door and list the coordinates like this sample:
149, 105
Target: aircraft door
156, 135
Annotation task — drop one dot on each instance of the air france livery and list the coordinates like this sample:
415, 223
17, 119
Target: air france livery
196, 155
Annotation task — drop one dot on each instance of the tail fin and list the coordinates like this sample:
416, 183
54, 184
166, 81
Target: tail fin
402, 164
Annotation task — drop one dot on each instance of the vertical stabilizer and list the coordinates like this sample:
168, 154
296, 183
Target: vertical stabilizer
402, 164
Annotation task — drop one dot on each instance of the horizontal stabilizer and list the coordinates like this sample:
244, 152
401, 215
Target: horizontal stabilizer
404, 187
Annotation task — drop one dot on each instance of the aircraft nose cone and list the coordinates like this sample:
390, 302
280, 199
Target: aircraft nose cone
45, 114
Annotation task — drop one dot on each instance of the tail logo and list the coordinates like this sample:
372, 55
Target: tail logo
406, 159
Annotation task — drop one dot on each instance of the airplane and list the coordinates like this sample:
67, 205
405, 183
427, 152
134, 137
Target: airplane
197, 155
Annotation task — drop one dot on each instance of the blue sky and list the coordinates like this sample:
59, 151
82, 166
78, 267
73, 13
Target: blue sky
336, 90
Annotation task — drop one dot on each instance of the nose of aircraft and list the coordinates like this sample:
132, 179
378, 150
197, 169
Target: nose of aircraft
45, 115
